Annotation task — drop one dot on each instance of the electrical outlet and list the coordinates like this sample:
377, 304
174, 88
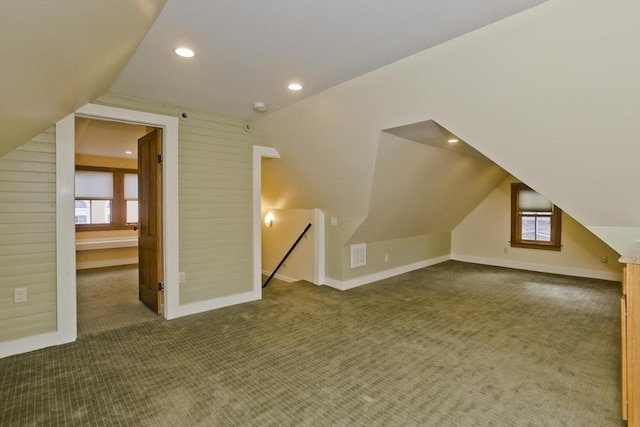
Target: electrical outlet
506, 250
182, 277
386, 259
19, 295
604, 259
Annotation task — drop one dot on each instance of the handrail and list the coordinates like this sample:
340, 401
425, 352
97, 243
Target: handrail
287, 255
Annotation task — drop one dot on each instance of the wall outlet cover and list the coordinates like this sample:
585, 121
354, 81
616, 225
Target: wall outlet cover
20, 295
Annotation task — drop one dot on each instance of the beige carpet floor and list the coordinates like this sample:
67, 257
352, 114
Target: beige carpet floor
108, 299
450, 345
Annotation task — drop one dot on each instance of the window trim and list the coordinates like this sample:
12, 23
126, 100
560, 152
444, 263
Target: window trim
516, 225
118, 203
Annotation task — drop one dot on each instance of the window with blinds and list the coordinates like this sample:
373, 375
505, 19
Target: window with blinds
535, 221
94, 194
105, 198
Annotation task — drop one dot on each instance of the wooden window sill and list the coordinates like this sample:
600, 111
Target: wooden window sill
527, 245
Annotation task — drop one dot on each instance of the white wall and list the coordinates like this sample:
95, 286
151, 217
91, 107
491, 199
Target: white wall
551, 95
484, 235
277, 239
411, 190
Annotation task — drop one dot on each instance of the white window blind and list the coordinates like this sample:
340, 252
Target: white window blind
131, 186
530, 201
94, 185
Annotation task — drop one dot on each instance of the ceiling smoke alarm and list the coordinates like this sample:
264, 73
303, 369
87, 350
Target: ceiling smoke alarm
259, 107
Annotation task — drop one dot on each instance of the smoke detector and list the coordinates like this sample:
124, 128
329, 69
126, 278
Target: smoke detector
259, 107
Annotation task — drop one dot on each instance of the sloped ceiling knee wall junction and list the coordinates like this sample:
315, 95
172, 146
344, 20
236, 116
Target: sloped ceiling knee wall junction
54, 63
551, 95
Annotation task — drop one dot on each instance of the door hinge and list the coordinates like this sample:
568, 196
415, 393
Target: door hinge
160, 158
160, 286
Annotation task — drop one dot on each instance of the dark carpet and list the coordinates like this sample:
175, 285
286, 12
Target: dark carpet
108, 299
450, 345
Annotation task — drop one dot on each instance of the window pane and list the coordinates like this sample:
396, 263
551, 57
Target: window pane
94, 185
82, 212
528, 228
132, 211
131, 187
101, 212
543, 229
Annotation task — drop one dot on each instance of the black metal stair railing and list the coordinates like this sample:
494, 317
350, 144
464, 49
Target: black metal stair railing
287, 255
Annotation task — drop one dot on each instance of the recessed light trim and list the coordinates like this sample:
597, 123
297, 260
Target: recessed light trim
295, 86
452, 141
184, 52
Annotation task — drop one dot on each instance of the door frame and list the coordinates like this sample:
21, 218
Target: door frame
66, 307
259, 152
65, 226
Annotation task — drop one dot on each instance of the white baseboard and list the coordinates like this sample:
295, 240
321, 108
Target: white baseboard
212, 304
360, 281
542, 268
280, 277
35, 342
106, 263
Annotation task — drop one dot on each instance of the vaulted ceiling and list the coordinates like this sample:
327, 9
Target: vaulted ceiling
58, 55
551, 95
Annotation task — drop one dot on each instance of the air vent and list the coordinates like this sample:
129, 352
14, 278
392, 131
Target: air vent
358, 255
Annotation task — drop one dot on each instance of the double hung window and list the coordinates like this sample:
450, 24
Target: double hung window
105, 198
535, 221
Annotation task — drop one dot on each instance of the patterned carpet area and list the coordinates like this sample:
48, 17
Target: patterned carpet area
450, 345
108, 299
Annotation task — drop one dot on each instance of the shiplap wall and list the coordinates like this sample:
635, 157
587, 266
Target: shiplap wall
215, 200
215, 217
28, 238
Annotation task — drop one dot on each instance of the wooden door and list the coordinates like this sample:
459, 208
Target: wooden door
150, 254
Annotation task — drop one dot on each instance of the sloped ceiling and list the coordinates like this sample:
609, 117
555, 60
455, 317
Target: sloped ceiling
552, 95
250, 50
420, 188
59, 55
108, 139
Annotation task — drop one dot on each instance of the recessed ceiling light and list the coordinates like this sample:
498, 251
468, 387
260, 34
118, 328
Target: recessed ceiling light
128, 152
184, 52
294, 86
452, 141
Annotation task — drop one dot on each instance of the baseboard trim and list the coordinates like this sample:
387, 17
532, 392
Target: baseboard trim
280, 277
212, 304
35, 342
364, 280
541, 268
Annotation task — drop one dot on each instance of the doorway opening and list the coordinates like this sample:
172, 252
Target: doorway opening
67, 330
107, 225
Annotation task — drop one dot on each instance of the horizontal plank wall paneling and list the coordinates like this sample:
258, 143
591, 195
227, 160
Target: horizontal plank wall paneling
28, 238
215, 193
215, 201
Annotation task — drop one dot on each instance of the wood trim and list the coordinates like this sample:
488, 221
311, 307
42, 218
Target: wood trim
104, 227
516, 226
118, 205
633, 344
546, 247
623, 334
104, 169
